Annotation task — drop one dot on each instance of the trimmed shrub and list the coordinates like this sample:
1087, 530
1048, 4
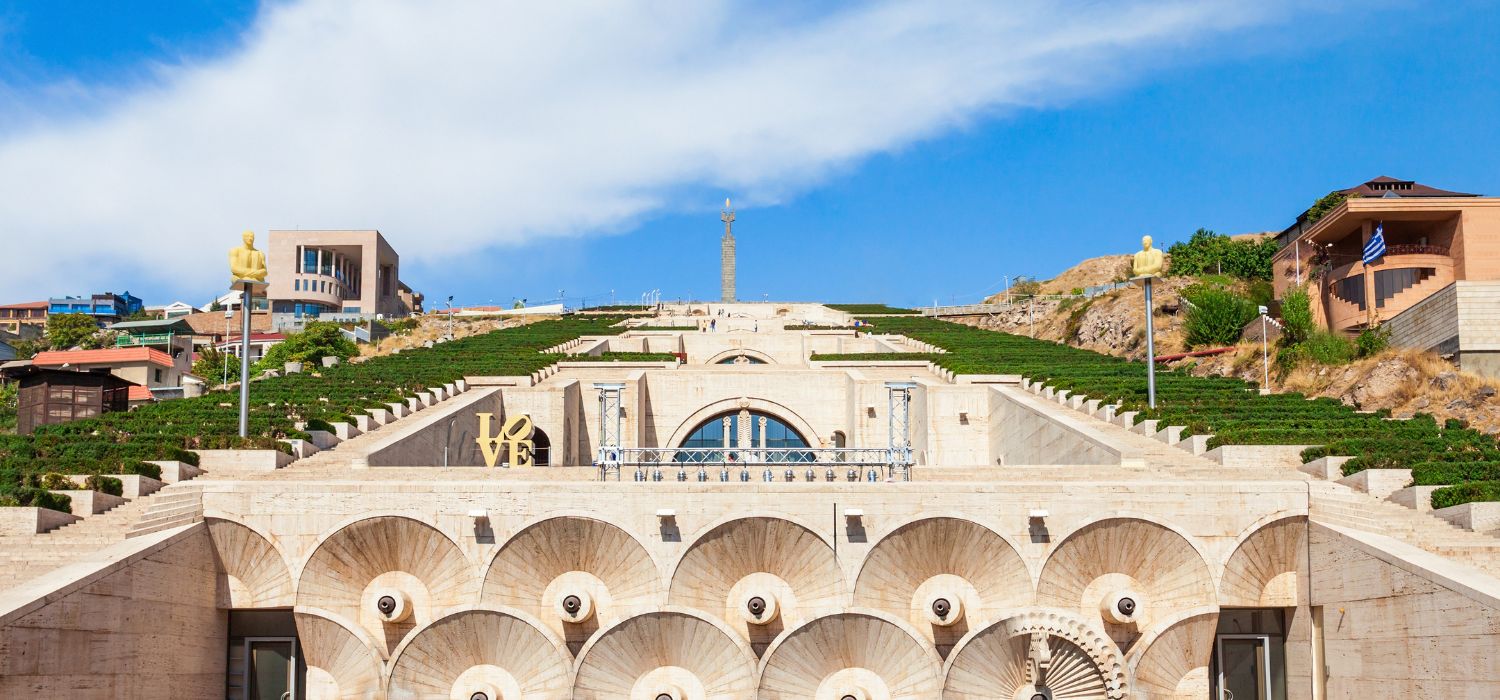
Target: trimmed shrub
104, 484
1466, 493
53, 481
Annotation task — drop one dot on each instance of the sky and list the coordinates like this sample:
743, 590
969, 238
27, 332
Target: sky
900, 152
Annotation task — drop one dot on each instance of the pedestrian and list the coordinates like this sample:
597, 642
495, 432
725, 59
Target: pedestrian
713, 324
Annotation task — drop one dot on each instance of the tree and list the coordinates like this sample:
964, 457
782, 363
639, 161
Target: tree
1207, 253
317, 340
8, 405
65, 331
215, 366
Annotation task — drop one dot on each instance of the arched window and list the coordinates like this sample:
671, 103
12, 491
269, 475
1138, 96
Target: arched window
778, 435
541, 451
741, 360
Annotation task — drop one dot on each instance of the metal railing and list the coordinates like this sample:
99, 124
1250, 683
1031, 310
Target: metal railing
751, 464
130, 341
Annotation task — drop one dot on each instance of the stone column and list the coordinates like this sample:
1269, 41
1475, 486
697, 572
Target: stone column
726, 255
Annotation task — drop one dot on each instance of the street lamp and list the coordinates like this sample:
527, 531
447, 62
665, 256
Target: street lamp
1265, 355
450, 317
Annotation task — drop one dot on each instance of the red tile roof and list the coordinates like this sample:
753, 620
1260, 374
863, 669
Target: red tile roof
27, 305
138, 393
111, 356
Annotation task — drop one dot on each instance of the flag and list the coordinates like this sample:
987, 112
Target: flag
1375, 249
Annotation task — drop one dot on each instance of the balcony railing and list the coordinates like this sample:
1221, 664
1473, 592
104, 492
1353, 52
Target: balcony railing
1416, 249
135, 341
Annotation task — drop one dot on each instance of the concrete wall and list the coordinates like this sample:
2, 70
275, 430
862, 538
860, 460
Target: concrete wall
1463, 319
1025, 429
144, 625
1431, 324
418, 440
1400, 623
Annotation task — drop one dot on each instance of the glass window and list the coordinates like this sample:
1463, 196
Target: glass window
309, 260
778, 435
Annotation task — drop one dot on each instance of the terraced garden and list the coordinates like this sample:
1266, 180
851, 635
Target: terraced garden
868, 309
1464, 460
123, 443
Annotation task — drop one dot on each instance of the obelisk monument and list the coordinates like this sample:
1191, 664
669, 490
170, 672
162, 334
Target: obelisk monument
726, 253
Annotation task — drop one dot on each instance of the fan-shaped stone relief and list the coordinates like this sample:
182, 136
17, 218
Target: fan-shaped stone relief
760, 575
492, 653
852, 654
254, 573
944, 575
574, 574
1127, 574
1051, 653
390, 574
1173, 661
341, 663
1262, 572
665, 655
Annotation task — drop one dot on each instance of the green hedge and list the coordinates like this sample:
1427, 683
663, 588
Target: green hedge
1231, 410
122, 443
868, 309
1466, 493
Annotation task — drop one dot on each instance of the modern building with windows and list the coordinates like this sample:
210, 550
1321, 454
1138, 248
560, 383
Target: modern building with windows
842, 518
106, 308
13, 317
1436, 285
313, 273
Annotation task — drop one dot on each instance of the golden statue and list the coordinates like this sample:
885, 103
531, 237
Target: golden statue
1148, 262
247, 263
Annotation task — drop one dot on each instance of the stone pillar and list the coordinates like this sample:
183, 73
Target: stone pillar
728, 421
726, 255
744, 430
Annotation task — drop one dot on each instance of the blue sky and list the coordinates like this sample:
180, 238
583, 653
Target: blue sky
1231, 124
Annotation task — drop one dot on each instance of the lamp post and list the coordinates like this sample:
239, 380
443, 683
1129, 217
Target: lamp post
248, 287
450, 317
1150, 348
1265, 355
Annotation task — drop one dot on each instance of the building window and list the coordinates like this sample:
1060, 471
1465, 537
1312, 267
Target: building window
309, 260
156, 376
778, 435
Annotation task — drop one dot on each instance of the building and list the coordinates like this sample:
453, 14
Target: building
157, 356
13, 317
50, 396
176, 309
7, 351
106, 308
313, 273
743, 522
259, 344
1432, 238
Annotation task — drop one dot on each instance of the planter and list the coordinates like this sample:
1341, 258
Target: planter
293, 367
174, 471
248, 460
86, 503
1480, 516
330, 360
33, 521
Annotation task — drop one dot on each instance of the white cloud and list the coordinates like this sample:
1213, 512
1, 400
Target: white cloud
457, 124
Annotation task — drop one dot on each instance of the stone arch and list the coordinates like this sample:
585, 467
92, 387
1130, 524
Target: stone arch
978, 574
643, 655
1171, 661
386, 556
864, 653
1158, 568
774, 559
254, 571
342, 660
781, 411
481, 649
736, 352
548, 560
1006, 660
1262, 570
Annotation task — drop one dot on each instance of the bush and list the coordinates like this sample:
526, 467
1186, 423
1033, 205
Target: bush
1326, 204
53, 481
1296, 316
68, 330
104, 484
1261, 292
1216, 316
1372, 340
1466, 493
1207, 252
1329, 348
317, 340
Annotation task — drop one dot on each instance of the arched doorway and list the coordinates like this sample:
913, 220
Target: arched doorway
541, 448
746, 430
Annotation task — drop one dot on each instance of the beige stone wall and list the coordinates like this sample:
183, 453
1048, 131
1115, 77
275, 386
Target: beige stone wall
146, 625
1399, 623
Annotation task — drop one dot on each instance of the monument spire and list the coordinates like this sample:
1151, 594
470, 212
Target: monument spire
726, 253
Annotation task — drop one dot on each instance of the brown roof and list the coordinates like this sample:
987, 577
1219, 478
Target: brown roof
99, 357
212, 322
27, 305
1384, 186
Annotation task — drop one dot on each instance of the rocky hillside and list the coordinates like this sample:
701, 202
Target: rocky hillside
1404, 381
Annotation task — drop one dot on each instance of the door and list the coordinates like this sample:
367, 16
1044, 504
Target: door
271, 668
1244, 667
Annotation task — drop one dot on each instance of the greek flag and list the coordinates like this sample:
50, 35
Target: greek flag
1375, 249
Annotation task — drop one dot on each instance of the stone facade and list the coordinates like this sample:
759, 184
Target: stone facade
1042, 546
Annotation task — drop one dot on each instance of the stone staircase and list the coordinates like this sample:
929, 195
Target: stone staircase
25, 557
1332, 498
